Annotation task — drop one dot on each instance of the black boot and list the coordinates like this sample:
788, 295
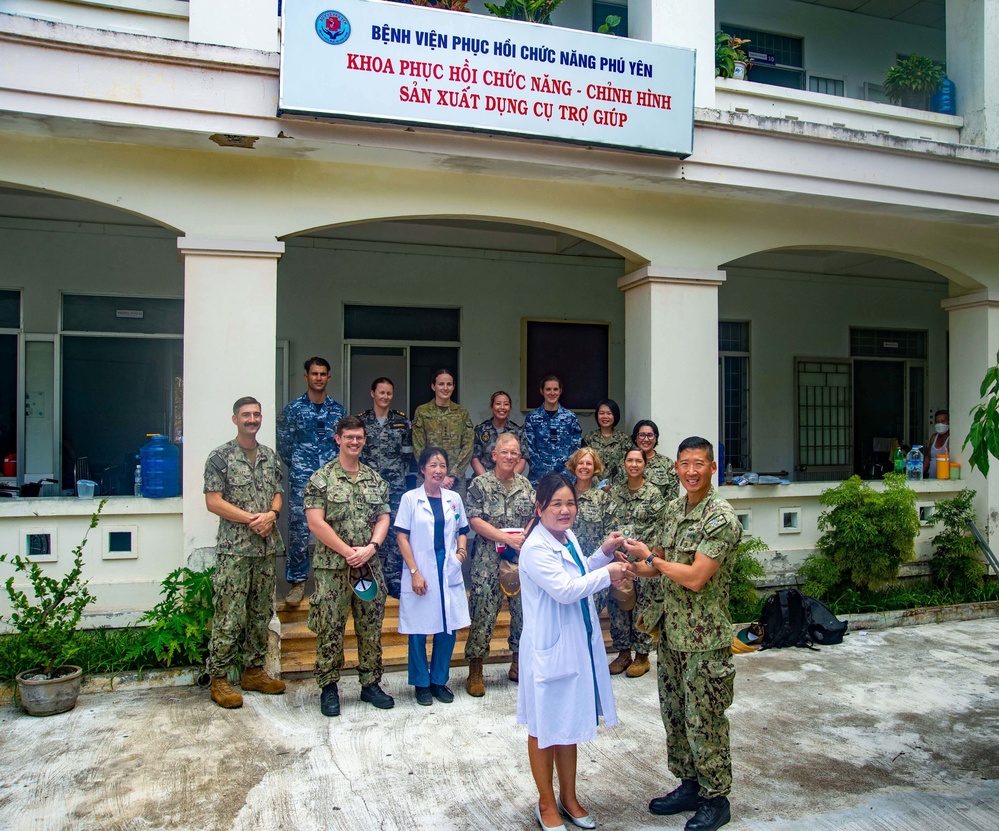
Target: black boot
329, 700
711, 814
678, 801
375, 695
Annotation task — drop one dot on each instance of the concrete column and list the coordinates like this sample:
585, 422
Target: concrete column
974, 341
250, 24
671, 351
680, 23
230, 331
972, 31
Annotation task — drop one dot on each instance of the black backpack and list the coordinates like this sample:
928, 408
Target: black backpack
790, 618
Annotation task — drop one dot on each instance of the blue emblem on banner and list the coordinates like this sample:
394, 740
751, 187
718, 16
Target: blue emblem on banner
333, 27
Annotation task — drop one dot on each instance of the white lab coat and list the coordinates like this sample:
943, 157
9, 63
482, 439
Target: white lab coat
555, 697
421, 615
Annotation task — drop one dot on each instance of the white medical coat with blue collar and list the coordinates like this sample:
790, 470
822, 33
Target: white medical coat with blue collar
555, 697
421, 614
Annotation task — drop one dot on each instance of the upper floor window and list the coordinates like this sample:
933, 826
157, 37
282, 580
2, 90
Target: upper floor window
778, 60
602, 10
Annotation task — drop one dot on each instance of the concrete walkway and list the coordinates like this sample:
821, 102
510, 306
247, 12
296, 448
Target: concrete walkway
891, 730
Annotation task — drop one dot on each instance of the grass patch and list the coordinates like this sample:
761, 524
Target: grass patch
99, 651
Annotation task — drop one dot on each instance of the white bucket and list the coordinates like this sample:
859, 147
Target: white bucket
85, 488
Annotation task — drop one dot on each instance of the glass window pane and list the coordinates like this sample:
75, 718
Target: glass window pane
138, 315
10, 310
401, 323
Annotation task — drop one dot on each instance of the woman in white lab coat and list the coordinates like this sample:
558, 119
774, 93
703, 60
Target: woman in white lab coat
431, 529
564, 681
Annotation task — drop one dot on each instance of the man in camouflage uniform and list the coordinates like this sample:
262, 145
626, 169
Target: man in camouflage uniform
305, 431
347, 508
496, 500
388, 450
696, 674
551, 432
243, 488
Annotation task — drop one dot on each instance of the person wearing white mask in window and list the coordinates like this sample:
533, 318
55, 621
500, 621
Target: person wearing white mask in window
940, 443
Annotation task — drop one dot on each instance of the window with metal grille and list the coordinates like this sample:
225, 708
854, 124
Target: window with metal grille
888, 343
829, 86
778, 60
825, 429
733, 398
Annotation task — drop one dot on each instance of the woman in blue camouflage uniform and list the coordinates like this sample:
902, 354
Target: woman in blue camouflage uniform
639, 509
660, 470
610, 443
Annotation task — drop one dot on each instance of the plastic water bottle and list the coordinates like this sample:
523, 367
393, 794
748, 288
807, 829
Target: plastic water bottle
138, 476
944, 100
914, 464
160, 468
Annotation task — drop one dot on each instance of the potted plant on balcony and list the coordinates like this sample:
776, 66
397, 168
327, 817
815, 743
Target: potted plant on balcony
731, 60
533, 11
912, 81
47, 624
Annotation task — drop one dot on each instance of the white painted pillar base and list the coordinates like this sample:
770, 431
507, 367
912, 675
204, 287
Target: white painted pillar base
974, 340
671, 351
230, 331
680, 23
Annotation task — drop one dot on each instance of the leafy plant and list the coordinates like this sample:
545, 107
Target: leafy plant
823, 579
728, 50
179, 626
744, 602
984, 434
47, 624
448, 5
610, 24
868, 534
533, 11
913, 74
954, 565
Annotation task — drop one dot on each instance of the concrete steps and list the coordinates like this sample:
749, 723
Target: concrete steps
298, 642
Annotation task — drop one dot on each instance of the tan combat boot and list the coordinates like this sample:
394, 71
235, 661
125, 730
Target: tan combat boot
256, 679
639, 666
514, 672
224, 695
475, 685
621, 662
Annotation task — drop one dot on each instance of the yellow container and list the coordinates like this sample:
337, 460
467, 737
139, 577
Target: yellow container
943, 466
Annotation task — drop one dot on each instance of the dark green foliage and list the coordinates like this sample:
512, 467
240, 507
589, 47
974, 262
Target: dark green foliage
911, 594
179, 626
610, 24
868, 534
47, 624
954, 565
984, 435
913, 74
98, 650
728, 50
533, 11
744, 602
822, 577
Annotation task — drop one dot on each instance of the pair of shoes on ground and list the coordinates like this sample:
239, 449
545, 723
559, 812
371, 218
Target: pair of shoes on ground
329, 698
252, 680
709, 813
296, 594
426, 695
585, 821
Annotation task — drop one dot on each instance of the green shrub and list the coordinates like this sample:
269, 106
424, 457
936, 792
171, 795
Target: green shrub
868, 534
954, 566
179, 626
822, 577
744, 602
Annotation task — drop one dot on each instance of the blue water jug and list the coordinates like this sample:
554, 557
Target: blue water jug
945, 99
160, 463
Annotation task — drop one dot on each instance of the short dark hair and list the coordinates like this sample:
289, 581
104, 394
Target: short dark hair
242, 402
315, 359
611, 405
350, 422
439, 372
942, 412
382, 380
645, 422
428, 453
696, 443
548, 378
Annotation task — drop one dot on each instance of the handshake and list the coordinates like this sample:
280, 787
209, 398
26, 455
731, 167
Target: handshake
621, 571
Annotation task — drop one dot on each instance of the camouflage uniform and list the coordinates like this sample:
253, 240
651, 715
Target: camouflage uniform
450, 429
485, 442
642, 512
551, 438
304, 447
501, 508
696, 673
660, 470
243, 585
351, 507
593, 522
611, 451
389, 452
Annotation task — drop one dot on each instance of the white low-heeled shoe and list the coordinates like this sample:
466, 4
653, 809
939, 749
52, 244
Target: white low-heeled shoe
585, 821
541, 822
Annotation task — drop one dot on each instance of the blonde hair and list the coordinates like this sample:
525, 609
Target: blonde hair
598, 465
507, 438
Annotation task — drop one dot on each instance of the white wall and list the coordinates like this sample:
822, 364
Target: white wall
803, 315
837, 43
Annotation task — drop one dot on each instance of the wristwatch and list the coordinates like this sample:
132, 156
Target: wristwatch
376, 545
277, 514
413, 570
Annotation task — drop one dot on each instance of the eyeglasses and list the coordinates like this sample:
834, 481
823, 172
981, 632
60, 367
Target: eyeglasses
645, 435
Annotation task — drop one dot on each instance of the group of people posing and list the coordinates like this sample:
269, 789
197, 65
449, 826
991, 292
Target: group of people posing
599, 520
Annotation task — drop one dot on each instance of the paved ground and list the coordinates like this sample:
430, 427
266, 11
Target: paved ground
893, 730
